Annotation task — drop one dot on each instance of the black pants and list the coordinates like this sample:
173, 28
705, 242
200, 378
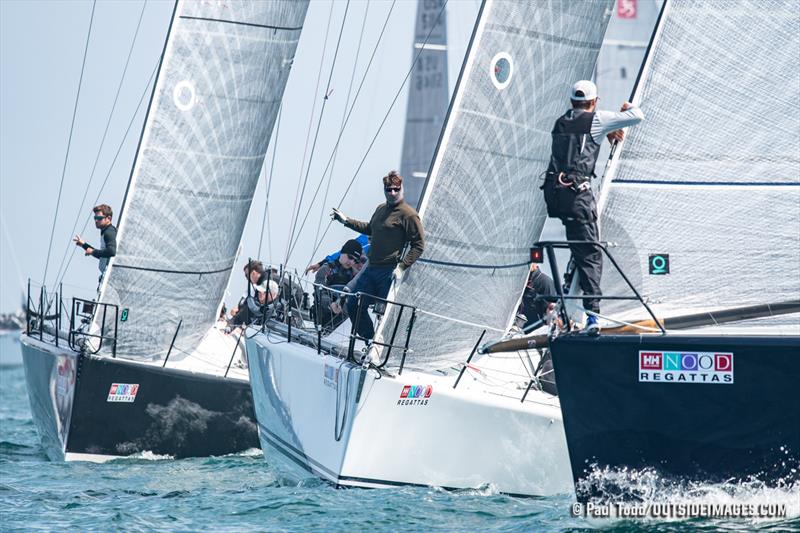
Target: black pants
588, 259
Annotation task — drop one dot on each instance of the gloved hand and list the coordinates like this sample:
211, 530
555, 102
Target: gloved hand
397, 274
338, 216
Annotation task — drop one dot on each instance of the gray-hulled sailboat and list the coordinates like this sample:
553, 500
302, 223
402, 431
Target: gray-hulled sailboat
147, 370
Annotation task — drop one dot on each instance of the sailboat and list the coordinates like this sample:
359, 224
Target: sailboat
143, 368
702, 203
428, 96
428, 410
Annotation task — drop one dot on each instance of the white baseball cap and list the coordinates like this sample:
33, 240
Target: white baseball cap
270, 286
583, 90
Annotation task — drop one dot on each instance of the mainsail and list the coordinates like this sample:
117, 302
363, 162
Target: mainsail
703, 199
220, 84
428, 96
482, 208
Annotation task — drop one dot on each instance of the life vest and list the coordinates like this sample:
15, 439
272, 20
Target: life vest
566, 187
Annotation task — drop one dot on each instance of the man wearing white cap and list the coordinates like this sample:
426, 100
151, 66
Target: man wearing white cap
577, 136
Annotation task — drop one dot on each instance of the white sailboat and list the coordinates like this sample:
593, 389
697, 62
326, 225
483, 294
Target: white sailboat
152, 372
427, 413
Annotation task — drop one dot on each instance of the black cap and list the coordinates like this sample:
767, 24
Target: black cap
352, 247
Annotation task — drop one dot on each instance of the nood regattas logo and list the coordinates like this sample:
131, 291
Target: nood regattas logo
686, 367
415, 395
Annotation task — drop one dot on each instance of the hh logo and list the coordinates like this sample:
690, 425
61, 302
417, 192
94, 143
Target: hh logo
626, 9
650, 360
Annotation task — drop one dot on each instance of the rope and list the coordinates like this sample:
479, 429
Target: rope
114, 161
341, 125
103, 140
269, 187
296, 208
469, 265
69, 143
385, 117
349, 113
457, 321
328, 92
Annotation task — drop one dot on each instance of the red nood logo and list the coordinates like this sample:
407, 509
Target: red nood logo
404, 394
723, 362
650, 360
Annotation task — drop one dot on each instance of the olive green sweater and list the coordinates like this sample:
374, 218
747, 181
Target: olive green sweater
390, 228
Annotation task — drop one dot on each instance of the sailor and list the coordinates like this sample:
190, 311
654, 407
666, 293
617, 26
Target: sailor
393, 226
108, 233
538, 298
362, 240
335, 274
577, 136
257, 308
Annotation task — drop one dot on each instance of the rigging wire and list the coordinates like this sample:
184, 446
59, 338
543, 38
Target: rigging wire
341, 125
328, 92
103, 140
296, 206
349, 113
69, 143
380, 127
114, 161
269, 187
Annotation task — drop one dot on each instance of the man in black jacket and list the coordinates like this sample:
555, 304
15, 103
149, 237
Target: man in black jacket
577, 136
108, 233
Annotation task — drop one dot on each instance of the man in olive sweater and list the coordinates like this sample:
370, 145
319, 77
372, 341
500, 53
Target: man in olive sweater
394, 225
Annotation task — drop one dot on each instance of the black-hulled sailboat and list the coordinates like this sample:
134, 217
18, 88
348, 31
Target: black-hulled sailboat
702, 201
144, 368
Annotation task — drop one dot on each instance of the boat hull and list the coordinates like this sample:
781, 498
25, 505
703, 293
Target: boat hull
412, 429
95, 409
625, 407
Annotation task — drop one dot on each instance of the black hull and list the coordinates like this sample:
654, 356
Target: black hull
80, 414
618, 416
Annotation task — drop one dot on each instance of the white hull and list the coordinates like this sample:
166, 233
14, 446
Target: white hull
473, 436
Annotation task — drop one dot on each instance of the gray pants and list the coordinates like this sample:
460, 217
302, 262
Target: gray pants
588, 260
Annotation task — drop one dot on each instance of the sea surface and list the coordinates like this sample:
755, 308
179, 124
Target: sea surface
243, 493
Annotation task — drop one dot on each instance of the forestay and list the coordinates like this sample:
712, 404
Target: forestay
220, 84
482, 208
428, 96
711, 178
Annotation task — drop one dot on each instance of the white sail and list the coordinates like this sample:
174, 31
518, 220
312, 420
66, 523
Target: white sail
428, 96
482, 208
220, 84
711, 179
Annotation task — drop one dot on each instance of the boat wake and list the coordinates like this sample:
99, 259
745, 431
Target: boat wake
147, 455
624, 492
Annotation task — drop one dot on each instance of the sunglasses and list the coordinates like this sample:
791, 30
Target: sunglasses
392, 189
353, 257
99, 217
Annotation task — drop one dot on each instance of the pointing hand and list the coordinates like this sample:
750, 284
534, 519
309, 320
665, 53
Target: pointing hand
338, 216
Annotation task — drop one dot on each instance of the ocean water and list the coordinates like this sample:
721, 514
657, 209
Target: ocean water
243, 493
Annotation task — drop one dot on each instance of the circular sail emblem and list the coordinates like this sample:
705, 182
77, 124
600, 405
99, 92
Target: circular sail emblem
183, 95
502, 69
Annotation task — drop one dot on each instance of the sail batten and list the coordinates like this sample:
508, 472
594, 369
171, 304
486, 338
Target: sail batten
216, 100
482, 209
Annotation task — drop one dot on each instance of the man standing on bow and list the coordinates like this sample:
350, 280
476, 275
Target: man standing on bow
393, 226
102, 221
577, 136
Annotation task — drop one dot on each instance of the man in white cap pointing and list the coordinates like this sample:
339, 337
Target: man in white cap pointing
577, 136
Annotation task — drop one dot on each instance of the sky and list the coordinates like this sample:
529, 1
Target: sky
42, 47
